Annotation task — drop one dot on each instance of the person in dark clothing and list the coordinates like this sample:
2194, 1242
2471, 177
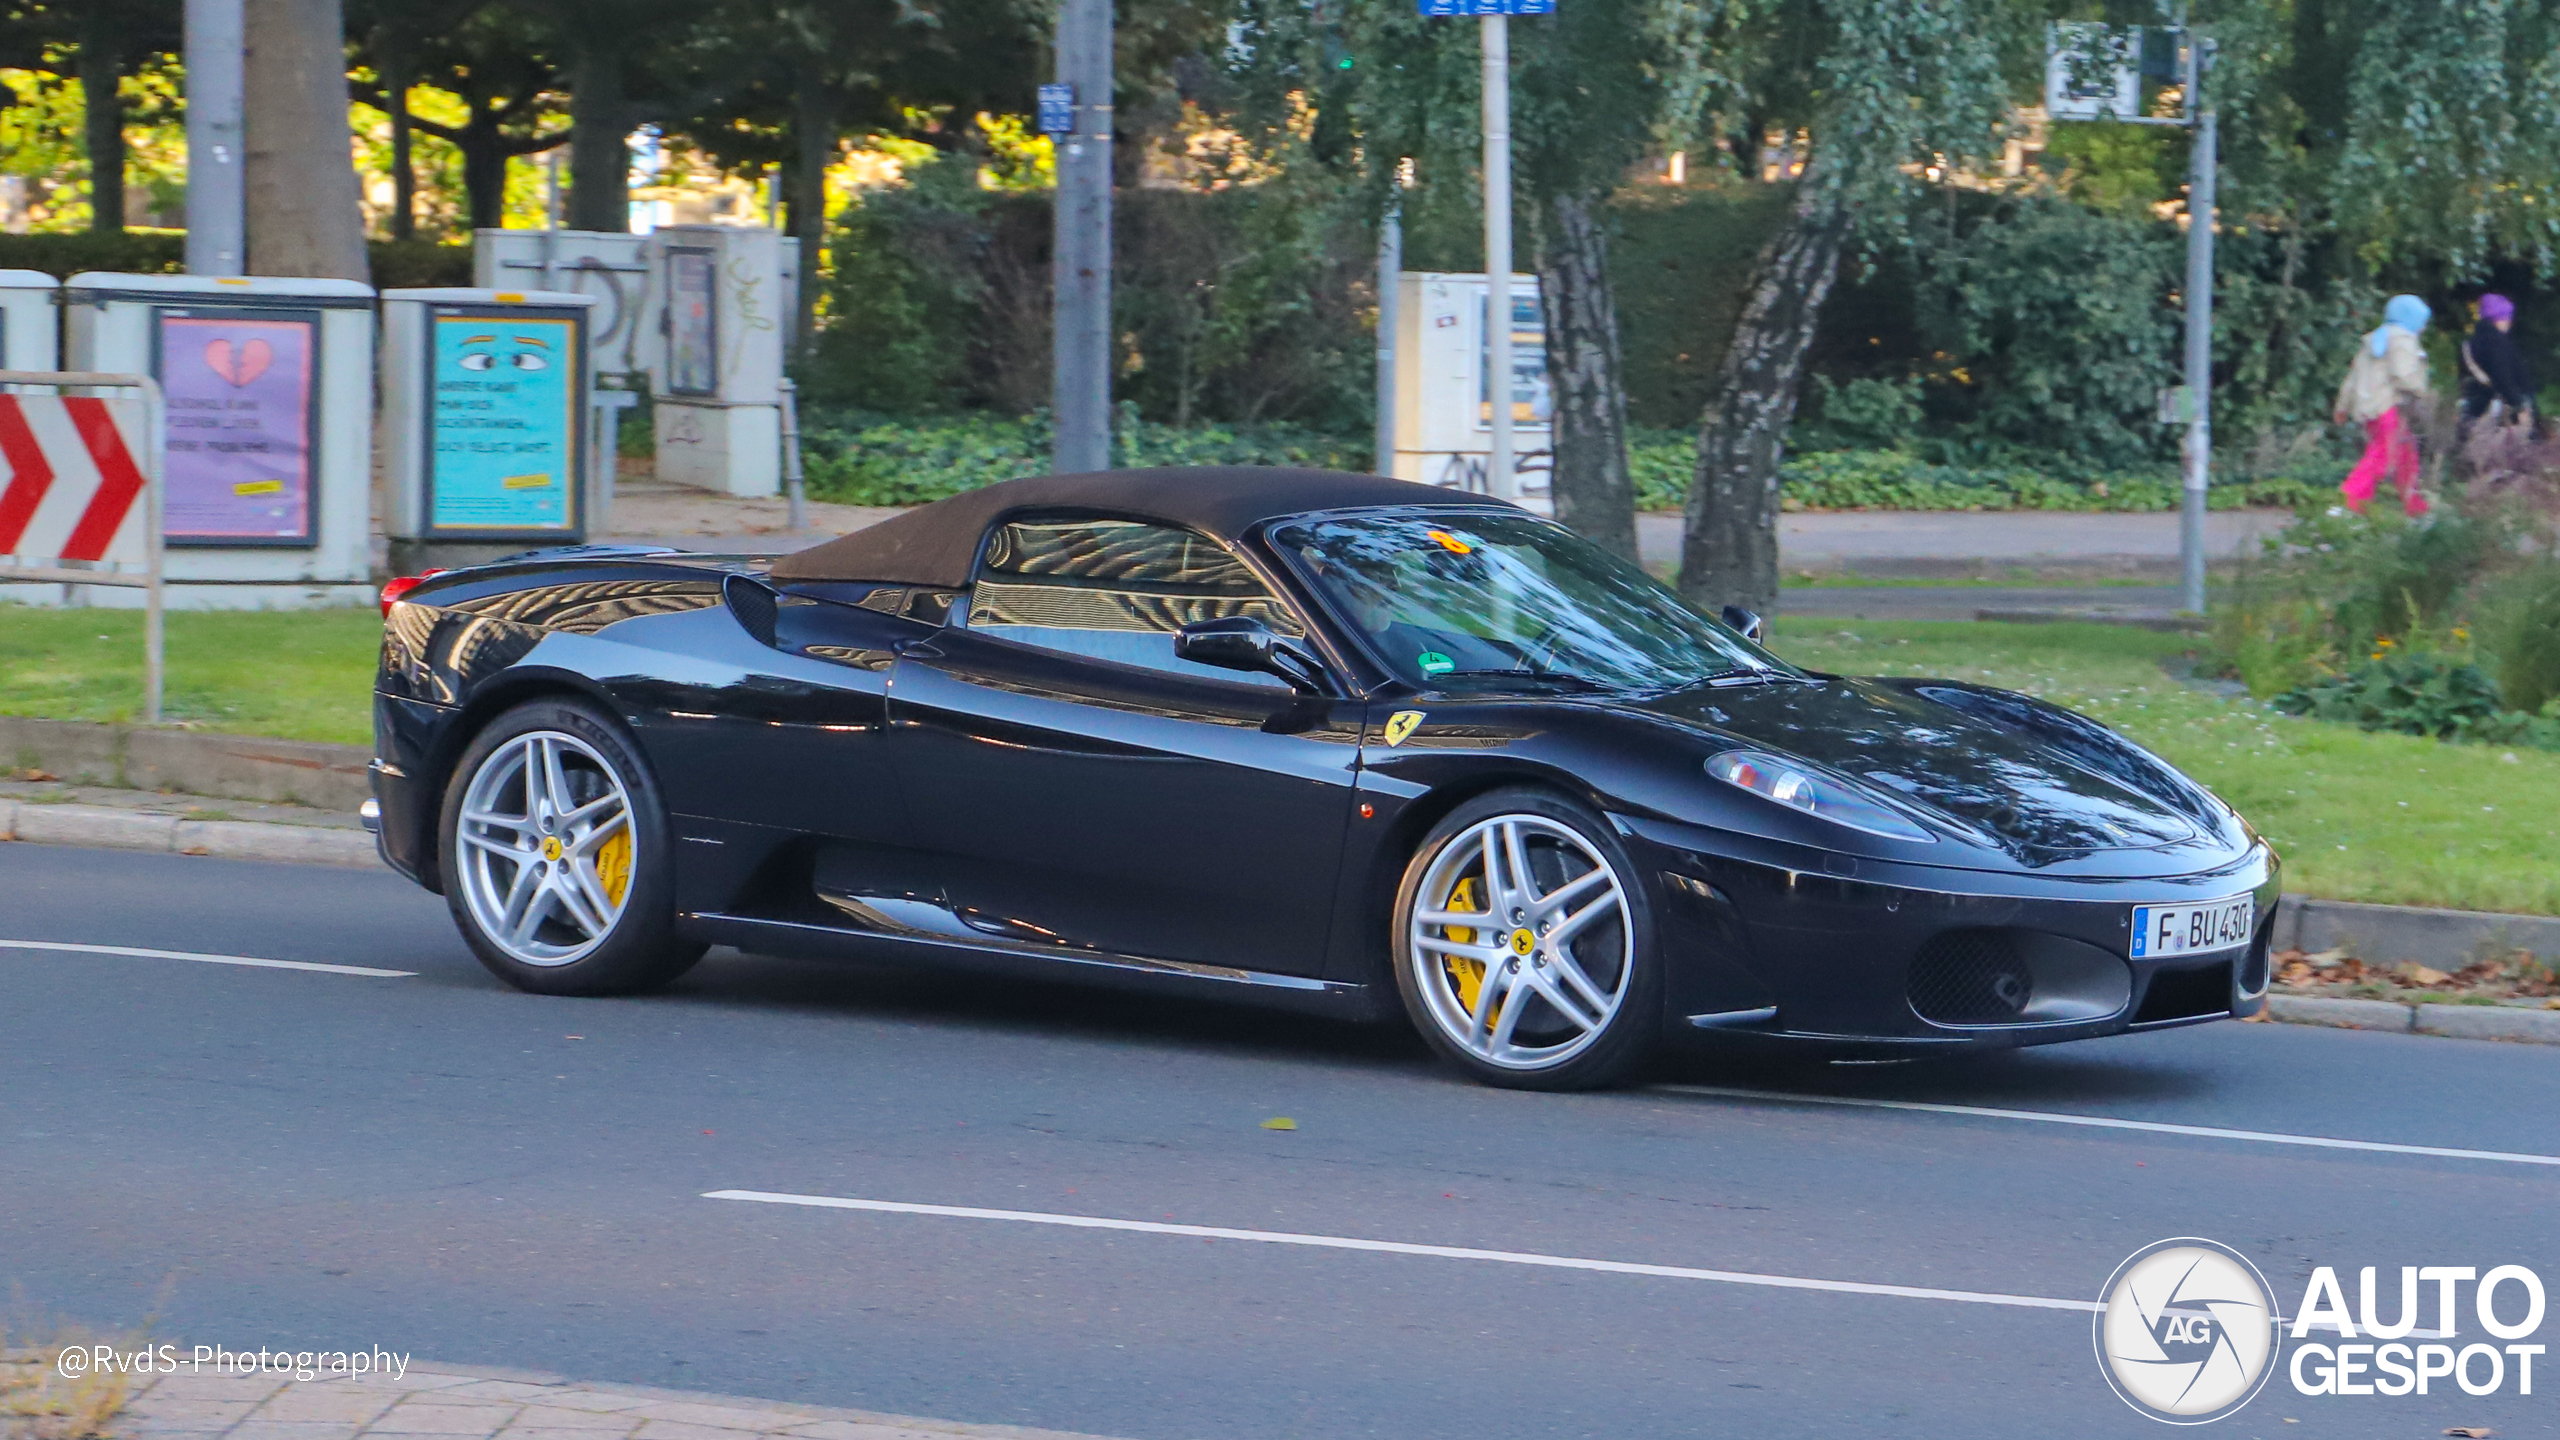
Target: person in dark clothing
2493, 369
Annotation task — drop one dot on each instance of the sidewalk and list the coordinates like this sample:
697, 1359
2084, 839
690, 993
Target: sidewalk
451, 1403
1884, 543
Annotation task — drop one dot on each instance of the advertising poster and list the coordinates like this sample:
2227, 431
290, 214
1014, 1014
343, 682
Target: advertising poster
240, 398
505, 422
1532, 398
693, 341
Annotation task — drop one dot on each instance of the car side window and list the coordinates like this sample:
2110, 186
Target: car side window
1117, 590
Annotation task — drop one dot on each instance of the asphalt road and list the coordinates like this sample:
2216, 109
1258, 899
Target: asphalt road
436, 1164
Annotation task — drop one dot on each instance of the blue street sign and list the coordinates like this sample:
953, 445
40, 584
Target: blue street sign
1430, 8
1058, 108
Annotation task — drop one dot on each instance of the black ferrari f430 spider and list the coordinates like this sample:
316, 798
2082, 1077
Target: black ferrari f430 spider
1317, 740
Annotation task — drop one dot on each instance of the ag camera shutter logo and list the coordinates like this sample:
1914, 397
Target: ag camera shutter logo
2186, 1331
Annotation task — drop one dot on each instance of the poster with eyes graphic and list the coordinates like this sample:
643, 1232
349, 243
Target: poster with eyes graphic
504, 454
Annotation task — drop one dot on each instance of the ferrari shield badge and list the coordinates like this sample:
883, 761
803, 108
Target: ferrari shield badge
1400, 725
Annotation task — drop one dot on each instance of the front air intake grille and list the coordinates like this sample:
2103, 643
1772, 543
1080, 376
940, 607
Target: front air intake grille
2186, 994
1971, 977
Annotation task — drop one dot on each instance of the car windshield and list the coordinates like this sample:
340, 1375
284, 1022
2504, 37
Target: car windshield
1487, 600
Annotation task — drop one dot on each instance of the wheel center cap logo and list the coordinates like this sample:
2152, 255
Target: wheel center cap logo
2187, 1331
1522, 942
550, 847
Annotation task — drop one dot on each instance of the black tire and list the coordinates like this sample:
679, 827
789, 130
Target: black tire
639, 948
1614, 956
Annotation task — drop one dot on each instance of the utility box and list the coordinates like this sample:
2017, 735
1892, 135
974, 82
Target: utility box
1444, 409
484, 434
716, 394
623, 331
267, 458
30, 321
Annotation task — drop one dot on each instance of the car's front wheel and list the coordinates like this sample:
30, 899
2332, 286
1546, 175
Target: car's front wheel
555, 856
1524, 945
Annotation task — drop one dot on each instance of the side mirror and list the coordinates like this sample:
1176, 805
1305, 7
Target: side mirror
1750, 626
1241, 642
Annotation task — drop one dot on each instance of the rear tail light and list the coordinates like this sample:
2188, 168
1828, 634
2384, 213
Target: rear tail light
392, 591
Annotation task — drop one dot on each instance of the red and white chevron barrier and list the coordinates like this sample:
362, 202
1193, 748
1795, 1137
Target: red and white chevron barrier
71, 485
80, 491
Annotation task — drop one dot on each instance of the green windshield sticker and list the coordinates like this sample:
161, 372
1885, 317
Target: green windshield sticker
1435, 663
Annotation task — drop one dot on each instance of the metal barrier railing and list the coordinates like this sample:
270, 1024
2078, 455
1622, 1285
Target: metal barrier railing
146, 459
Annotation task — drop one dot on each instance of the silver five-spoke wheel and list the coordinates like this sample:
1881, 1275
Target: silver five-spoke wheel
1520, 942
546, 847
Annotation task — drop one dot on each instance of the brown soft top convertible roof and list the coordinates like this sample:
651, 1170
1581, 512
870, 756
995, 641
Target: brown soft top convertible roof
937, 544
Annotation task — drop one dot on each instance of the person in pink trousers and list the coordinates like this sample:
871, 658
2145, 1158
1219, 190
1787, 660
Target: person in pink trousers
2389, 374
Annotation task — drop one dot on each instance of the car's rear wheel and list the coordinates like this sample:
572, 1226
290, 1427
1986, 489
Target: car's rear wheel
555, 856
1524, 945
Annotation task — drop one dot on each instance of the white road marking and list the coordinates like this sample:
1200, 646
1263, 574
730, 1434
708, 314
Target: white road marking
2105, 1122
1397, 1247
250, 960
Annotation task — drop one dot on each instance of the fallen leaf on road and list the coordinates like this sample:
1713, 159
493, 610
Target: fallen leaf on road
2427, 975
2476, 1432
1279, 1122
2325, 959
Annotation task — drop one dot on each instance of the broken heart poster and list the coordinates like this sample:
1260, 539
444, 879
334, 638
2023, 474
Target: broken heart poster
239, 398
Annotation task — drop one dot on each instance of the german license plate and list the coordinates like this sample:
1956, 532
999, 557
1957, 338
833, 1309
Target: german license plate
2164, 930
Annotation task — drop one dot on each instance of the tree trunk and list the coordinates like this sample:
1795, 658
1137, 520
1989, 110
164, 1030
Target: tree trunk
813, 139
1729, 539
101, 70
304, 215
393, 48
484, 165
1593, 491
599, 146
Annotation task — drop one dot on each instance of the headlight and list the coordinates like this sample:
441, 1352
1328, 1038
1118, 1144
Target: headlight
1789, 783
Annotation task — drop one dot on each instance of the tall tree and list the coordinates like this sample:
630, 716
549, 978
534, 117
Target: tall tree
394, 40
491, 58
1593, 87
1887, 90
627, 63
98, 43
305, 215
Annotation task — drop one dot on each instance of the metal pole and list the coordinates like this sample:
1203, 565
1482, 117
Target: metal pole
550, 217
1390, 295
154, 475
791, 477
2199, 305
1499, 479
1081, 399
217, 183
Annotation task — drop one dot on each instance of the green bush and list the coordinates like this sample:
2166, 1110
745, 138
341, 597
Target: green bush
1663, 461
857, 459
2520, 625
2421, 694
2334, 589
396, 264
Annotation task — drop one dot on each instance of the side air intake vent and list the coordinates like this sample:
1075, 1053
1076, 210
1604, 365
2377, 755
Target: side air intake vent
754, 606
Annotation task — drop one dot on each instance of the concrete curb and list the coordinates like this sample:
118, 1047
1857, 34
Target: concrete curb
2459, 1022
105, 827
2387, 934
196, 762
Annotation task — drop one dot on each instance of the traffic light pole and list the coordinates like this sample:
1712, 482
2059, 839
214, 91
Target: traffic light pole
217, 100
2200, 354
1081, 350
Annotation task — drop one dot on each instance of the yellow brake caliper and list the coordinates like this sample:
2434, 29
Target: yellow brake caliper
1467, 975
613, 865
